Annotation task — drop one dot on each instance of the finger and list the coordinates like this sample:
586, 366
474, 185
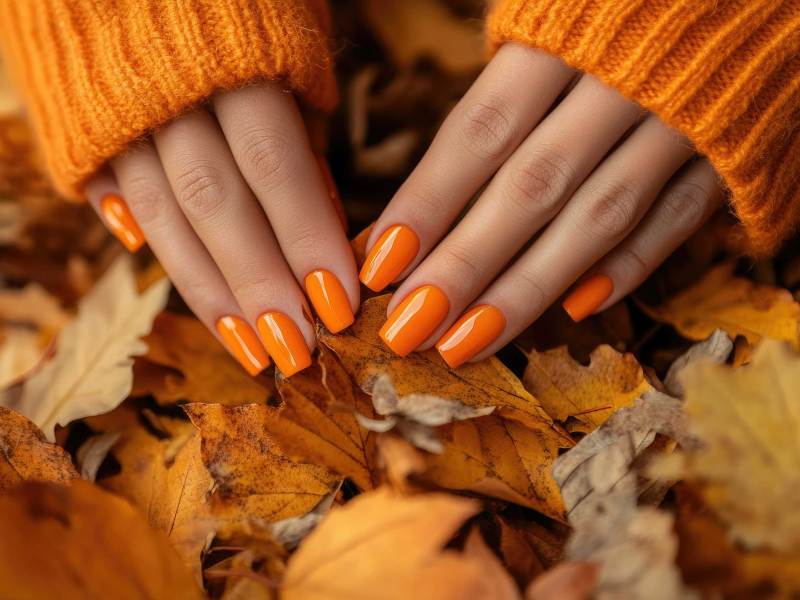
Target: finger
231, 225
685, 204
151, 203
598, 217
107, 201
525, 194
267, 138
502, 107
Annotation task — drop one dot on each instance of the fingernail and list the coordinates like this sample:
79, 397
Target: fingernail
284, 342
469, 335
242, 342
588, 296
120, 221
389, 257
329, 299
333, 191
417, 317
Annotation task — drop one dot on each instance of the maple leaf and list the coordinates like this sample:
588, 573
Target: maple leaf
78, 541
346, 556
206, 372
589, 394
748, 417
25, 454
736, 305
91, 371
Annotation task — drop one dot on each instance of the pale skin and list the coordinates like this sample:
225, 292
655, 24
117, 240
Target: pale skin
578, 180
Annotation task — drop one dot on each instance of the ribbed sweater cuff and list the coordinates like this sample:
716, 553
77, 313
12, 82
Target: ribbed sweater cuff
98, 74
725, 73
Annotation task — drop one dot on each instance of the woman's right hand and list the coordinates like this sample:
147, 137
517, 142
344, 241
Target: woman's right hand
237, 209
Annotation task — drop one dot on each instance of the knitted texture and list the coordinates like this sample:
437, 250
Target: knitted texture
98, 74
725, 73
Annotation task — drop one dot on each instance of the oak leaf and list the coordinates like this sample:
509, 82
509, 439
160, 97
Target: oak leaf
25, 454
736, 305
748, 420
91, 371
383, 545
78, 541
588, 394
206, 372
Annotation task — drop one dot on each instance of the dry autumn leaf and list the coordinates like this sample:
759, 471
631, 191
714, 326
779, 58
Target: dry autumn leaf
588, 394
91, 371
78, 541
747, 417
25, 454
346, 556
736, 305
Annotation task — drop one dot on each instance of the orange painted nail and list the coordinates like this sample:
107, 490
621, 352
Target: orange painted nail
242, 342
469, 335
330, 300
389, 257
415, 319
120, 221
588, 296
284, 342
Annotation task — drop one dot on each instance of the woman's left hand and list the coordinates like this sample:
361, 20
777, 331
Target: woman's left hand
581, 184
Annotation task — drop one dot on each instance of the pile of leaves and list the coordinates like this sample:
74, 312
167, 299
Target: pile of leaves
652, 451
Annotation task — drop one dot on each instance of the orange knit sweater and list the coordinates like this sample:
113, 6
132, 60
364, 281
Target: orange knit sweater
97, 74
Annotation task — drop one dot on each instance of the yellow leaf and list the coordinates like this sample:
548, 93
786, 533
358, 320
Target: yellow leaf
207, 372
25, 454
737, 306
253, 475
78, 541
383, 545
588, 394
748, 467
91, 372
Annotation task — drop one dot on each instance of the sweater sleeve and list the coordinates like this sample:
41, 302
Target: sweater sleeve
98, 74
725, 73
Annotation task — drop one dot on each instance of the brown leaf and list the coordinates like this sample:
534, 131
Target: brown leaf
385, 545
737, 306
33, 305
78, 541
567, 581
25, 454
254, 477
205, 371
568, 390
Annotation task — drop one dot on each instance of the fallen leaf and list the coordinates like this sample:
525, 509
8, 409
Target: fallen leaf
567, 581
736, 305
717, 348
32, 305
290, 532
748, 417
206, 372
78, 541
399, 461
253, 476
91, 371
346, 556
588, 394
93, 452
20, 351
25, 454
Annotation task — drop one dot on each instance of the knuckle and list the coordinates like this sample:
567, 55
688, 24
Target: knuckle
632, 264
199, 190
539, 184
684, 206
264, 152
486, 130
612, 210
530, 284
461, 262
145, 200
251, 283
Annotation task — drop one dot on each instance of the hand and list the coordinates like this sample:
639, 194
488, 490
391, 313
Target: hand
237, 210
580, 183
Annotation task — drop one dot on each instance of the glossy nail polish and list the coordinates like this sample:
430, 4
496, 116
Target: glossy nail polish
415, 319
284, 341
243, 343
588, 296
475, 330
329, 300
120, 221
389, 257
